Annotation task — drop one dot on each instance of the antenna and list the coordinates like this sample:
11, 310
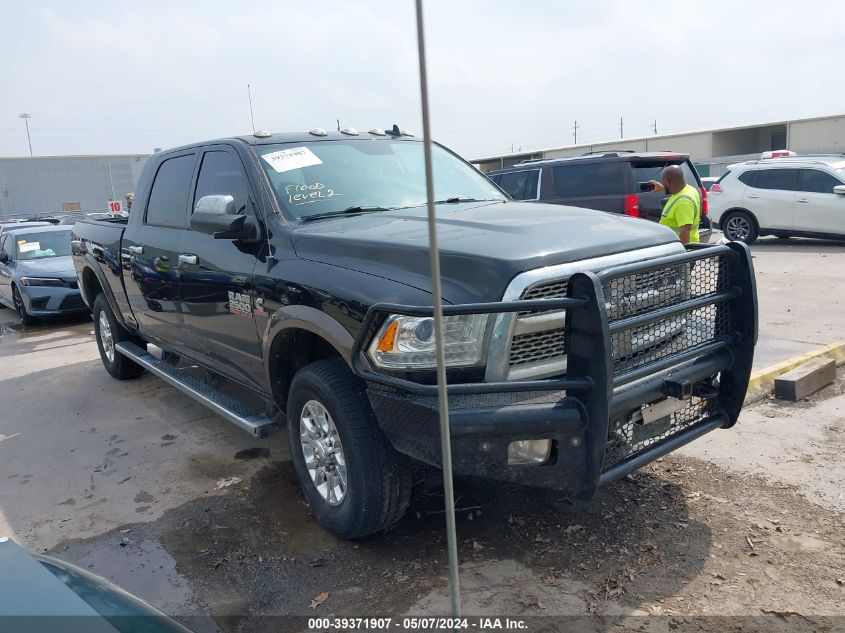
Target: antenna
251, 116
338, 124
575, 133
655, 127
620, 127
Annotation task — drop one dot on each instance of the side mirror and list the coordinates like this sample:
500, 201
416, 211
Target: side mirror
218, 217
217, 205
839, 190
4, 257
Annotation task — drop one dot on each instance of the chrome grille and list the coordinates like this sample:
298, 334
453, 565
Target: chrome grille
531, 345
539, 337
527, 348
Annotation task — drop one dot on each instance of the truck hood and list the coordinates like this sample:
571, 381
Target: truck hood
60, 267
482, 245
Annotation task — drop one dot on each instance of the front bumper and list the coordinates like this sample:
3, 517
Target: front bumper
50, 300
593, 416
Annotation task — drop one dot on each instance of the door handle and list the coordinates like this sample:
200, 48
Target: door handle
753, 195
135, 250
186, 258
803, 200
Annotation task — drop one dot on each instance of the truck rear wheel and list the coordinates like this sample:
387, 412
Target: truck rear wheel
108, 333
355, 482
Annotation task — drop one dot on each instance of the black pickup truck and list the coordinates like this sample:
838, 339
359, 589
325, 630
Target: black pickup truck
293, 269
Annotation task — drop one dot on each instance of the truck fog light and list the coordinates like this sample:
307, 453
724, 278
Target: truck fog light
529, 452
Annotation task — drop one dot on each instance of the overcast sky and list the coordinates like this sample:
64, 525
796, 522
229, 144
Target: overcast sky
124, 77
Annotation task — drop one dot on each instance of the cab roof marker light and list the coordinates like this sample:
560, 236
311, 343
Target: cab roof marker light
378, 131
262, 134
318, 131
406, 132
351, 131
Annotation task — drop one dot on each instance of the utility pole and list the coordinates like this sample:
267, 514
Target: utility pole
26, 117
620, 127
251, 116
575, 133
655, 127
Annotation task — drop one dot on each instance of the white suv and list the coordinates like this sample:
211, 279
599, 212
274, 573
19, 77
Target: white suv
802, 196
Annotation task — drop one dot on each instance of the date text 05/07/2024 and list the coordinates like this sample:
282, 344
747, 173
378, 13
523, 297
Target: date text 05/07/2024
417, 624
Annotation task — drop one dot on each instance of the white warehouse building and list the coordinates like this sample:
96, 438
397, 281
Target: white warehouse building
711, 150
50, 185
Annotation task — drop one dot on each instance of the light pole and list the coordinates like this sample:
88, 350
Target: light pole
26, 117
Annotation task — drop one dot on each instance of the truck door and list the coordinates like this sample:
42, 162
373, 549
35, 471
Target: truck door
152, 246
216, 277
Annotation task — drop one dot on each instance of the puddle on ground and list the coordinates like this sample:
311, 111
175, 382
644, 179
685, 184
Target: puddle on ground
17, 338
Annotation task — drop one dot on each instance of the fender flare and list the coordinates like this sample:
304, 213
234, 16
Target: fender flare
312, 320
91, 263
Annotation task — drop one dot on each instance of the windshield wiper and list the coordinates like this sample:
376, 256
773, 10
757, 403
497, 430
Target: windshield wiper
457, 199
356, 210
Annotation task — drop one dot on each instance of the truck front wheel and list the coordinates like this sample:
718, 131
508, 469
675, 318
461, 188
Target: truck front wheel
355, 482
109, 332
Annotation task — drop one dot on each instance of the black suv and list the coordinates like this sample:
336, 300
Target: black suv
608, 181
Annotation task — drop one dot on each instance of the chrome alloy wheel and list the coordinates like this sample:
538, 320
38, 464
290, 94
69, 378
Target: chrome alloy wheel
738, 228
323, 452
106, 339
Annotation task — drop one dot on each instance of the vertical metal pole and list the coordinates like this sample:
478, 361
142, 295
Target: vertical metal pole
111, 180
251, 117
28, 138
437, 291
26, 117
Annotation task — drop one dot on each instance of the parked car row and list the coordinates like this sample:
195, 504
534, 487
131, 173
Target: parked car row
64, 218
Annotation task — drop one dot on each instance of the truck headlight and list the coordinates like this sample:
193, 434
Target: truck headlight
40, 281
406, 342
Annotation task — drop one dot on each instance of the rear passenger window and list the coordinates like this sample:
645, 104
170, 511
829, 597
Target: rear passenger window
593, 179
780, 179
747, 178
816, 181
222, 174
168, 204
643, 171
520, 185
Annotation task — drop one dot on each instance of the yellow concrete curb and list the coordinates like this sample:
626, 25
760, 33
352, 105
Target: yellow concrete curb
763, 381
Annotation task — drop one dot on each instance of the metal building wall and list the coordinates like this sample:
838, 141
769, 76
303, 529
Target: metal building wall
43, 184
820, 135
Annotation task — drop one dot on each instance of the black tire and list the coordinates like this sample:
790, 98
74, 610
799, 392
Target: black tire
118, 366
378, 478
20, 308
739, 226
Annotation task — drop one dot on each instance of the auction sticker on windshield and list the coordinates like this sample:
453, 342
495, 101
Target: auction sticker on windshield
30, 246
293, 158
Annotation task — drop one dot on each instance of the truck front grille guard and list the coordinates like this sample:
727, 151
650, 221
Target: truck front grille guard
711, 322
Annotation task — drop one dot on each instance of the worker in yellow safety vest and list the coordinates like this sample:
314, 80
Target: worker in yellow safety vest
682, 211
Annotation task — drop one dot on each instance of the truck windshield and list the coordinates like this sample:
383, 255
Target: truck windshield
328, 177
41, 245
